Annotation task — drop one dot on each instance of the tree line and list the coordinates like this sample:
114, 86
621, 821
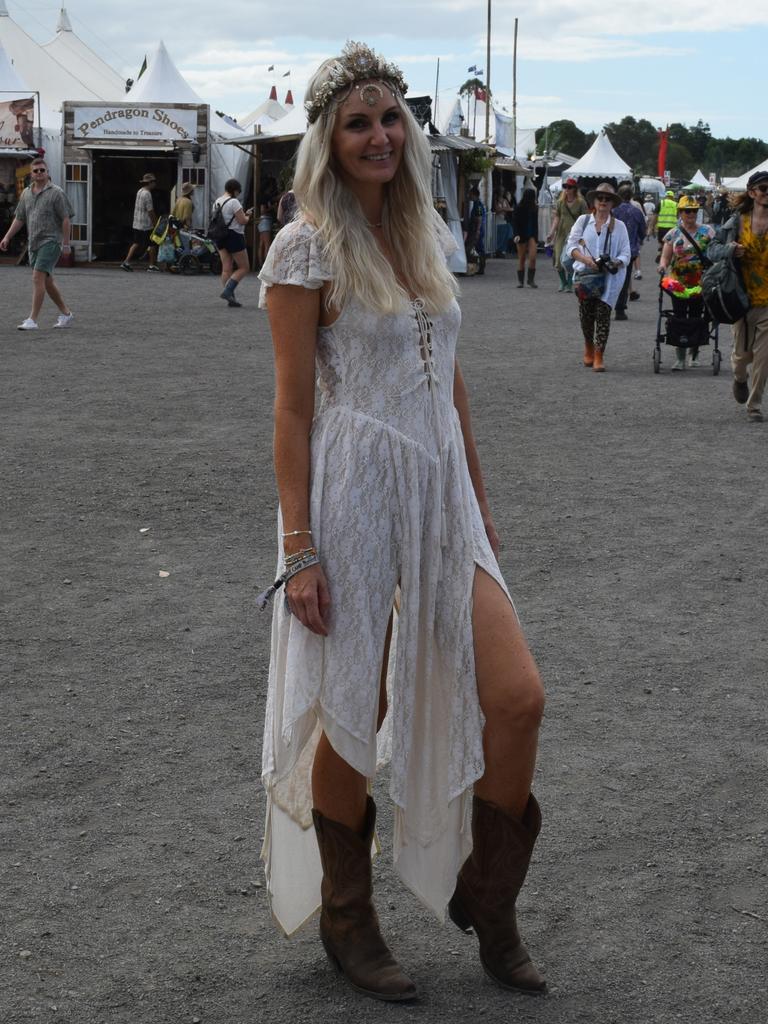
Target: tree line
637, 142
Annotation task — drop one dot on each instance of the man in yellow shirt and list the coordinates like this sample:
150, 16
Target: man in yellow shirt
183, 208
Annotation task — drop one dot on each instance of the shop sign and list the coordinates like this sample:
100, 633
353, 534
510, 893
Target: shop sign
144, 123
17, 124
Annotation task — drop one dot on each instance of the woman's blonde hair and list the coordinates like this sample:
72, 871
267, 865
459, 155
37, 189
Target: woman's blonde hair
357, 265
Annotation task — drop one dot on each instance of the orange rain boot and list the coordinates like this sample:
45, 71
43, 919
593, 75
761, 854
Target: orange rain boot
589, 353
598, 364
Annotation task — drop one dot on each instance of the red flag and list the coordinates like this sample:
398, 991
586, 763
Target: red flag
663, 141
480, 95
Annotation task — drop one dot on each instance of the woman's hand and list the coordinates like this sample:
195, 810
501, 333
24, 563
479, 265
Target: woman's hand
738, 250
309, 599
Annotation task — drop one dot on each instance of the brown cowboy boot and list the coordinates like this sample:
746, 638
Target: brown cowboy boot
349, 927
487, 888
589, 353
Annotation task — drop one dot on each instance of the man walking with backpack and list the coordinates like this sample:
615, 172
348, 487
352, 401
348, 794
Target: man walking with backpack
745, 238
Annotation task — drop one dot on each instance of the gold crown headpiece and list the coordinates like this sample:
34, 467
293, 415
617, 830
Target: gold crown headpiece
357, 63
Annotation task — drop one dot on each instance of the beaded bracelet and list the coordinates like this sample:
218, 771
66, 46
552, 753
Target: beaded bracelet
296, 533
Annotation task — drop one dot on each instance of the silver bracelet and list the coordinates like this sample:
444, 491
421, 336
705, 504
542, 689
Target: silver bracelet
296, 533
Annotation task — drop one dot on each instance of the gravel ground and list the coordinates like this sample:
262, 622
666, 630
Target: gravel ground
138, 517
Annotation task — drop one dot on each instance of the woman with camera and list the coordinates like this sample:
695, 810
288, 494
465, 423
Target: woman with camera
599, 247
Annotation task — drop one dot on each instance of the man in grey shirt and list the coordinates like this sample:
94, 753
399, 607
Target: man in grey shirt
144, 218
45, 210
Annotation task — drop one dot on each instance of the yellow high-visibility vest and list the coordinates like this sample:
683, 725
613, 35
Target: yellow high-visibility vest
667, 214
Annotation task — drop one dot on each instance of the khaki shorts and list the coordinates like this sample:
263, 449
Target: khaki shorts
45, 258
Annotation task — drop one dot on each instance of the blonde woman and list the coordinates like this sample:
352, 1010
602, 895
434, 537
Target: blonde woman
382, 506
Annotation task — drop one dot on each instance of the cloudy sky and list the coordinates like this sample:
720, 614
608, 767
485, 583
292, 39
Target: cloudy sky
666, 61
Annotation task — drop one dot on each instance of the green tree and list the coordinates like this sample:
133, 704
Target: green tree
680, 163
563, 137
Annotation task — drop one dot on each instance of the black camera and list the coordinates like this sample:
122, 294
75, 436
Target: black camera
608, 265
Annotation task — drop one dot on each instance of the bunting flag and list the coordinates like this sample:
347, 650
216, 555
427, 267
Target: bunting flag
143, 67
287, 73
473, 68
663, 142
271, 67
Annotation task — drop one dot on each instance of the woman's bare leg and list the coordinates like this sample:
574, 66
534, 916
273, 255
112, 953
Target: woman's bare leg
531, 253
522, 248
511, 696
338, 791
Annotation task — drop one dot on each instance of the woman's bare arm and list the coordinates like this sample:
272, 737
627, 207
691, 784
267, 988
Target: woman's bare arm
293, 315
461, 401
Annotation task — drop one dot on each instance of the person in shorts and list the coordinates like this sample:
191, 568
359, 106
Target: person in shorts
45, 212
144, 218
234, 255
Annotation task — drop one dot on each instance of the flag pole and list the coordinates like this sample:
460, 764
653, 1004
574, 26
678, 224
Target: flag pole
488, 77
437, 83
514, 96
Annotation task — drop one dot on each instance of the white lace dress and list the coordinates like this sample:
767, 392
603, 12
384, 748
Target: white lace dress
391, 503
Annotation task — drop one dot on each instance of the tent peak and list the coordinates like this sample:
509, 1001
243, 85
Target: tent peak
64, 25
273, 93
288, 99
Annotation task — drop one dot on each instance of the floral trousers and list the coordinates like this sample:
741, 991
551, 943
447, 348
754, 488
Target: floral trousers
595, 320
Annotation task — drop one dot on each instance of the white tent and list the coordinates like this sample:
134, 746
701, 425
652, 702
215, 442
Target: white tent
70, 51
700, 180
292, 126
740, 184
265, 114
162, 82
40, 69
600, 161
500, 128
12, 87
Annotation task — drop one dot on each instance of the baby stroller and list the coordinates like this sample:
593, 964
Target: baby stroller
197, 254
686, 332
184, 252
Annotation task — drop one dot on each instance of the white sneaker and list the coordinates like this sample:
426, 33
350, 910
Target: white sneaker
638, 275
65, 320
679, 364
694, 362
28, 325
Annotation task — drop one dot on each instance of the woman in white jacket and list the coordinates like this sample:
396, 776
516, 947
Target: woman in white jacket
599, 247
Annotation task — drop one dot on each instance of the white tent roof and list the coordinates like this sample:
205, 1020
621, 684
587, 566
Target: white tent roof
292, 126
740, 184
162, 82
600, 161
44, 73
12, 83
699, 179
70, 51
265, 114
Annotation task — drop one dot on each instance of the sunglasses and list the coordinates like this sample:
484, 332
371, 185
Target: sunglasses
761, 188
39, 170
601, 197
